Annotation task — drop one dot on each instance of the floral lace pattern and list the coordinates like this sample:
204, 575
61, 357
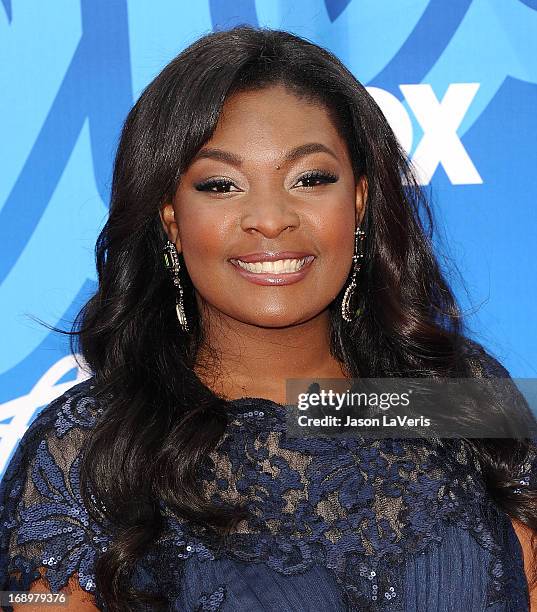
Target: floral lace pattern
359, 507
43, 520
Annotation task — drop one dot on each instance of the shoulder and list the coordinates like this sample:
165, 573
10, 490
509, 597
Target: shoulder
503, 397
76, 408
43, 521
61, 424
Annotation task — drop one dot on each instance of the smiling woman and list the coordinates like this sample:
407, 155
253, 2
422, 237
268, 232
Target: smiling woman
264, 219
295, 246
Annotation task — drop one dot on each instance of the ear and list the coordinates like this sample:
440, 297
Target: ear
361, 199
167, 217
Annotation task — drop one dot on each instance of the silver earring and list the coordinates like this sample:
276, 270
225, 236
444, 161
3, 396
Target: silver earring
171, 261
357, 262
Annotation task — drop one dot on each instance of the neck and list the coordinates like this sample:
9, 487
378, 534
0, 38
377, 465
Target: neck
242, 360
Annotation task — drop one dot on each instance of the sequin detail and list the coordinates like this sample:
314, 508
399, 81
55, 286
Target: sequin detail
361, 508
43, 519
212, 602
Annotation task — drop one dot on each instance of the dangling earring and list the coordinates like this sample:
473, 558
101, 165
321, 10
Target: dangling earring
357, 262
171, 261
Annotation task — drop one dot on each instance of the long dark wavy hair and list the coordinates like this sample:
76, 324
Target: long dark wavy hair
160, 420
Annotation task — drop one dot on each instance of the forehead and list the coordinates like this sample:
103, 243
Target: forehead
274, 117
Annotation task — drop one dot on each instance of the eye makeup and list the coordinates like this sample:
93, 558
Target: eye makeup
222, 185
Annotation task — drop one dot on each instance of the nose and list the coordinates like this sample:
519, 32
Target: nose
269, 215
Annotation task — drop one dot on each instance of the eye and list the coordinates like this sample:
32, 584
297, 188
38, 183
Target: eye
315, 178
216, 185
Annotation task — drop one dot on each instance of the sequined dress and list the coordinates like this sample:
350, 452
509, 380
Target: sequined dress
335, 524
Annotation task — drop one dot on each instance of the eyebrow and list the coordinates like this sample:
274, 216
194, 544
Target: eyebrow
290, 156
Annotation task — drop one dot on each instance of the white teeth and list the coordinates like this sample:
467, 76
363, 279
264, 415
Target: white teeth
281, 266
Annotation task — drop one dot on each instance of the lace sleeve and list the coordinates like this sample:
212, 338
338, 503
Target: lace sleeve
46, 534
486, 366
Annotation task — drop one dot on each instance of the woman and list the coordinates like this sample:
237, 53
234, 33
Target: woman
167, 480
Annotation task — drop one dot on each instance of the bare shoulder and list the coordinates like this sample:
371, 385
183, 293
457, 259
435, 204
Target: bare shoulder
528, 540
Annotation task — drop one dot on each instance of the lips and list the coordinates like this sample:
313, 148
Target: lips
270, 256
250, 267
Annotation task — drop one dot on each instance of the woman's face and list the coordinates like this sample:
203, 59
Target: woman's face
274, 182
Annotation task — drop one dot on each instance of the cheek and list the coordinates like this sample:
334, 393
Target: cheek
201, 230
336, 239
204, 241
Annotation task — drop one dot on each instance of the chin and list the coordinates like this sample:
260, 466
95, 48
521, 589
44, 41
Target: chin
279, 320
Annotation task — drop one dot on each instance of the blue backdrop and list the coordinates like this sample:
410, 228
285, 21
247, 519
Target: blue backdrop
457, 80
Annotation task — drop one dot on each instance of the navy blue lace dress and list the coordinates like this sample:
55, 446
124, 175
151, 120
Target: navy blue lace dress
335, 524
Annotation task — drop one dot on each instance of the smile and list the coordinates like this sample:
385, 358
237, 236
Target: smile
272, 271
280, 266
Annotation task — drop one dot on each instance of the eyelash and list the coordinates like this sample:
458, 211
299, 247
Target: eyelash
318, 175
